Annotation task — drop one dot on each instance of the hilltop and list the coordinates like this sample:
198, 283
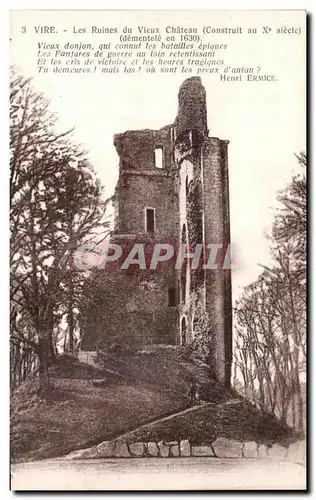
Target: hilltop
136, 389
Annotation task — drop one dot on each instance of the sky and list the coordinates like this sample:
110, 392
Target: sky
264, 121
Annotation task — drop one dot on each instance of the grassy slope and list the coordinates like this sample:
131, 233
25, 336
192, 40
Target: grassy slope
151, 384
239, 421
77, 414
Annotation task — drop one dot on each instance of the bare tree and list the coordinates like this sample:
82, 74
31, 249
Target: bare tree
270, 343
56, 204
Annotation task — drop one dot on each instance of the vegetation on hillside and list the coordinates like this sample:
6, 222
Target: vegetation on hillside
138, 388
233, 419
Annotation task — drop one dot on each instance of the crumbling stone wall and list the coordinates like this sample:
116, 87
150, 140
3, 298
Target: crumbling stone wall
151, 190
204, 213
190, 197
132, 304
192, 113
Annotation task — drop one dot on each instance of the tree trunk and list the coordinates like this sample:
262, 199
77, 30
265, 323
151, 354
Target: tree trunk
298, 402
296, 360
43, 356
51, 350
50, 344
70, 319
70, 312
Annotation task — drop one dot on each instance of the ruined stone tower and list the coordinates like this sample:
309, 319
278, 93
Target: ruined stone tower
173, 188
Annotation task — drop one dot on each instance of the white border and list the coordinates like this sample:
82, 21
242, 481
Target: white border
309, 5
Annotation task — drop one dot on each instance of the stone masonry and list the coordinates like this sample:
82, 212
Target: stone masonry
172, 188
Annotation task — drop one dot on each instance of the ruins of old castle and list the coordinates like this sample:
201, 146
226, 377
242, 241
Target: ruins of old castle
172, 188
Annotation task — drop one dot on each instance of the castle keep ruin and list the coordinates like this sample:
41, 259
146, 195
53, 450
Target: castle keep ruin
172, 188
